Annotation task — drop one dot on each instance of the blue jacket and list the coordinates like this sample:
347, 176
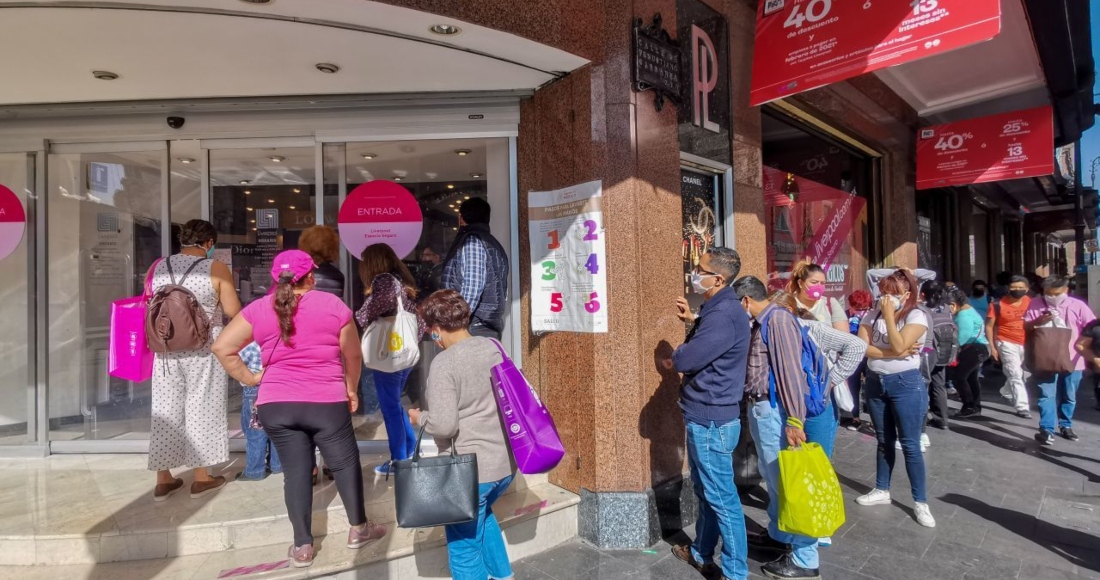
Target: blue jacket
713, 361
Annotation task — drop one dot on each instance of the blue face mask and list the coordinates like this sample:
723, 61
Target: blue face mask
210, 252
436, 338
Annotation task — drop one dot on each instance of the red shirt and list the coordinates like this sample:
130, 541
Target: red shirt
1010, 324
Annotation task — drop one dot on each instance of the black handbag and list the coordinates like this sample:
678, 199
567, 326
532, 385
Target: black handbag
435, 491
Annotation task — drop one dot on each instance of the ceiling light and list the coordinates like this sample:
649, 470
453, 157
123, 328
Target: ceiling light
253, 229
445, 29
455, 229
475, 175
456, 210
467, 197
244, 182
185, 160
398, 178
296, 190
452, 206
462, 152
292, 207
248, 208
369, 156
450, 186
253, 221
271, 201
248, 192
327, 68
104, 75
278, 159
256, 1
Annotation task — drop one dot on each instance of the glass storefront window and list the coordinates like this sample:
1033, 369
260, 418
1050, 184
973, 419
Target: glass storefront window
16, 390
104, 234
815, 195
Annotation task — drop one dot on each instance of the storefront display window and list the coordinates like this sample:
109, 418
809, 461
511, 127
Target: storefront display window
16, 403
815, 195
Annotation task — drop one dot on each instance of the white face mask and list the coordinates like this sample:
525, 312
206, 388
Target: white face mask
896, 300
697, 283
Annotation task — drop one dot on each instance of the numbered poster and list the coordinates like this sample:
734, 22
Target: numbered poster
568, 259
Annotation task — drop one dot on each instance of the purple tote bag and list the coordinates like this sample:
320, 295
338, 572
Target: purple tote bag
531, 432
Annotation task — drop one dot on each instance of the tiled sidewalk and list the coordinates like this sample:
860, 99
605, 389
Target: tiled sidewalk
1005, 509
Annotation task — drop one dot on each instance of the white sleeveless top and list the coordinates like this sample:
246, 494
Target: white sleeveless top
199, 282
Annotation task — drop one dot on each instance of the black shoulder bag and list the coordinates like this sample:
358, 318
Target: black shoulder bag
435, 491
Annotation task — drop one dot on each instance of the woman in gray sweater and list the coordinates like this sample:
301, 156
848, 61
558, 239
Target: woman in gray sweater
460, 410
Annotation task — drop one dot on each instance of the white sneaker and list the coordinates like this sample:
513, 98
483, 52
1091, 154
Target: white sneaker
875, 497
897, 444
925, 443
924, 515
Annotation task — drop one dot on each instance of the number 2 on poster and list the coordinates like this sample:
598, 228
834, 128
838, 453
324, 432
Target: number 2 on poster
592, 235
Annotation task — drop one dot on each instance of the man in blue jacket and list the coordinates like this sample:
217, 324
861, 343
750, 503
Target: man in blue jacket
713, 363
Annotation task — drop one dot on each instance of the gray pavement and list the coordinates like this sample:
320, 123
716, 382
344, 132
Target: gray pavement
1005, 507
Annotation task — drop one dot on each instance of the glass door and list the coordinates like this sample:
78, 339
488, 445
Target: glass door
18, 394
107, 218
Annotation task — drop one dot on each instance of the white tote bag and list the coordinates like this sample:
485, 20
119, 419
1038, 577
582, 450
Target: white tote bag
843, 397
390, 344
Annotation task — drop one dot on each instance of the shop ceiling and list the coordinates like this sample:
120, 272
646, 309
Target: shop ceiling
176, 49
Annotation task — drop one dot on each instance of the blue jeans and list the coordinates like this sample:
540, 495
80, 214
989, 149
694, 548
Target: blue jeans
1057, 398
258, 448
402, 438
476, 549
767, 425
368, 396
710, 458
898, 406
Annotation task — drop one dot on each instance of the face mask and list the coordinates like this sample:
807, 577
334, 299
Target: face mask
210, 252
1017, 294
815, 291
979, 292
1056, 299
438, 340
697, 283
896, 300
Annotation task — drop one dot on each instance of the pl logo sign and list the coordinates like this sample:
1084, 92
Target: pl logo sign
704, 77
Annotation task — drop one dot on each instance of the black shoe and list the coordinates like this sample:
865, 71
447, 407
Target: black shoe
1025, 414
785, 569
968, 413
764, 541
684, 553
1045, 437
1068, 434
937, 423
242, 477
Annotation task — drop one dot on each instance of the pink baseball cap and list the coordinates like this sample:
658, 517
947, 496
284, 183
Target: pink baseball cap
295, 261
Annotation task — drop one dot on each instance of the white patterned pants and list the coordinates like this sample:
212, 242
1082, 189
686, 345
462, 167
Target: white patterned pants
1012, 364
189, 424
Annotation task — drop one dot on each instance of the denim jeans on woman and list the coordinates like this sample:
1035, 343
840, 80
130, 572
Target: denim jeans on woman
476, 549
710, 459
898, 405
399, 430
768, 424
260, 454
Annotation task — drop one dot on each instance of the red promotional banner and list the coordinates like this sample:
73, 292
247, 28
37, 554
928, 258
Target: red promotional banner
1009, 146
805, 44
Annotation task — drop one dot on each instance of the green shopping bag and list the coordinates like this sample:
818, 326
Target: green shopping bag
810, 501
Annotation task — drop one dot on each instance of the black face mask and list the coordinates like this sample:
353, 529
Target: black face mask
1017, 294
979, 292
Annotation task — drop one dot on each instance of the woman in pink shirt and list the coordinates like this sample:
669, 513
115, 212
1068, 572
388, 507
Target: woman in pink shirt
311, 362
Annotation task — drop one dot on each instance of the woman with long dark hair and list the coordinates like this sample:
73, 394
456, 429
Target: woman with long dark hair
973, 350
896, 392
311, 362
389, 282
807, 286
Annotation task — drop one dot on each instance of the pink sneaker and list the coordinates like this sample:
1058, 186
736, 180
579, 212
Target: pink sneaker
357, 538
301, 556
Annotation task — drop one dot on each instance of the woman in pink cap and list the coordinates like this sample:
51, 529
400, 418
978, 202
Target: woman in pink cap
311, 362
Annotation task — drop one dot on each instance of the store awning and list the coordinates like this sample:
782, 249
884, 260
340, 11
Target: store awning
177, 49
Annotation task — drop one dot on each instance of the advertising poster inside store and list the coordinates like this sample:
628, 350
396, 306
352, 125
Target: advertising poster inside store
12, 221
568, 259
806, 219
805, 44
1014, 145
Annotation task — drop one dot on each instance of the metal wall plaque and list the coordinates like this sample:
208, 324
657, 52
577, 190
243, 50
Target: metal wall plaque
657, 64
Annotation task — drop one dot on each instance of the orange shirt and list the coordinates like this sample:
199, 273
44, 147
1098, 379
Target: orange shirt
1010, 325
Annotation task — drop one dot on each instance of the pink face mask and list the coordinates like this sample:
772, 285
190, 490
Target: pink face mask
815, 291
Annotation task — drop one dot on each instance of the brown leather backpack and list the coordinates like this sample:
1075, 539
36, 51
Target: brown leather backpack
174, 319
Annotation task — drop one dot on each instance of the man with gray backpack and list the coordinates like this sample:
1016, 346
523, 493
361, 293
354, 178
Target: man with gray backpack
190, 295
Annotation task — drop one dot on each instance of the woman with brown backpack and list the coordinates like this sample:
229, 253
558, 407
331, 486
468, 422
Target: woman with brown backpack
191, 293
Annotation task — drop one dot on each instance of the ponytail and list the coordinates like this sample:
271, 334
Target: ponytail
799, 273
286, 306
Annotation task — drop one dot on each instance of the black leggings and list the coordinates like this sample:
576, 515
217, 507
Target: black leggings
295, 429
967, 383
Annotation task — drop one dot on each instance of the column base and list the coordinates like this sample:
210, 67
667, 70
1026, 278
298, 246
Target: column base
635, 520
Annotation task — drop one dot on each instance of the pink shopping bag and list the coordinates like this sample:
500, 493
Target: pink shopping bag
531, 431
129, 357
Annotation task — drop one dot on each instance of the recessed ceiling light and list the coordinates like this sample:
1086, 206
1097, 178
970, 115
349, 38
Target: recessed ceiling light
253, 221
256, 1
455, 229
244, 182
462, 152
398, 178
456, 210
253, 229
369, 156
475, 175
327, 68
292, 207
271, 201
104, 75
445, 29
450, 186
185, 160
467, 197
296, 190
278, 158
452, 206
248, 192
248, 208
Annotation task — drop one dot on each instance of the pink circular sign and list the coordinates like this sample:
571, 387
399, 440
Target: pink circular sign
380, 212
12, 221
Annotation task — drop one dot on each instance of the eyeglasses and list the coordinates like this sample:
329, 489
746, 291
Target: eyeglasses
705, 272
